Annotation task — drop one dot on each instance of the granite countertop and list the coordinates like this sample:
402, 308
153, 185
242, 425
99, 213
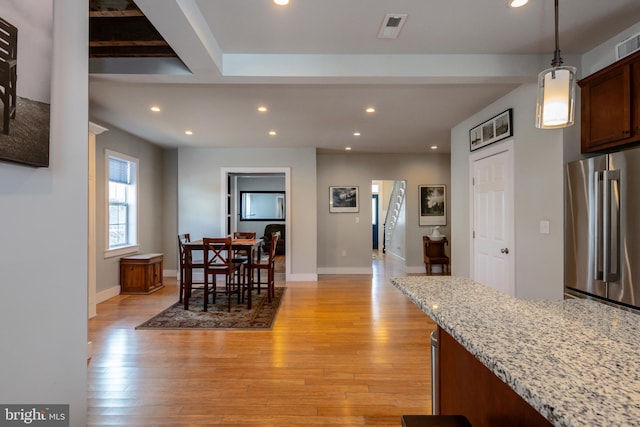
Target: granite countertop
577, 362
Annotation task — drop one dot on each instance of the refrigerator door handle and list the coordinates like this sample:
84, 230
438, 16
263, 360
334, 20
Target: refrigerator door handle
598, 264
611, 223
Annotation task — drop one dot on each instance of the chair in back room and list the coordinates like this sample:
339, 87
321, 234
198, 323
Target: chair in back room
275, 229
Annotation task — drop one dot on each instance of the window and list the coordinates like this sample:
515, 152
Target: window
122, 192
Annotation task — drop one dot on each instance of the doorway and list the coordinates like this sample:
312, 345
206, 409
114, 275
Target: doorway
389, 229
374, 221
492, 203
229, 193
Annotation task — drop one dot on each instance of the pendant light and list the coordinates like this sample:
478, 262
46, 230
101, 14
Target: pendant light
556, 91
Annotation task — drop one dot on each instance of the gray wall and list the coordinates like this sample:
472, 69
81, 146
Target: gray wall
538, 166
43, 257
605, 54
170, 212
339, 233
540, 158
152, 182
200, 208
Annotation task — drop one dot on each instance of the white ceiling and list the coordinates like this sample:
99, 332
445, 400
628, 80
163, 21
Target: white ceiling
317, 64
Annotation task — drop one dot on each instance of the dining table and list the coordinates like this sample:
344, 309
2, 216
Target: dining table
252, 246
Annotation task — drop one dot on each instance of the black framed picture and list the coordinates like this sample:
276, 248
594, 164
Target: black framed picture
25, 95
433, 204
343, 199
495, 129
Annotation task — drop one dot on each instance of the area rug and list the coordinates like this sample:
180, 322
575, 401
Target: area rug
261, 316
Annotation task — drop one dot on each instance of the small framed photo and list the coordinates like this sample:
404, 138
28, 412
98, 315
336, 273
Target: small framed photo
343, 199
433, 204
493, 130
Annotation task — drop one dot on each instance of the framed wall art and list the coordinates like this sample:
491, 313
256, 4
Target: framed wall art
433, 204
343, 199
493, 130
25, 96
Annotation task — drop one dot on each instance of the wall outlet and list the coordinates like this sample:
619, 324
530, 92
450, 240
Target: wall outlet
344, 252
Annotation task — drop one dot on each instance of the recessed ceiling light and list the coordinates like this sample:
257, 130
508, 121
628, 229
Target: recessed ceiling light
517, 3
272, 133
188, 132
281, 2
356, 134
347, 148
155, 109
262, 109
370, 110
434, 147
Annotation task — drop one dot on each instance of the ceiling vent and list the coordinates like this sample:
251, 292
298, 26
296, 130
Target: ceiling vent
628, 46
391, 25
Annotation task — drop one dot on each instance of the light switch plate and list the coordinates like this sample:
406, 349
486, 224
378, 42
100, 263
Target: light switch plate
544, 227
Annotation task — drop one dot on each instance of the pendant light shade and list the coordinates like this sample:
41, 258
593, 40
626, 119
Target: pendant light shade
556, 97
555, 107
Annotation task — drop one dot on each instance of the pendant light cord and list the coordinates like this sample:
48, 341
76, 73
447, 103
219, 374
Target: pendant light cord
557, 59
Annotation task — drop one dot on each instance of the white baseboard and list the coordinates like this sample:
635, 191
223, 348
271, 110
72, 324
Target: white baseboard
345, 270
108, 293
395, 255
170, 273
415, 270
302, 278
435, 268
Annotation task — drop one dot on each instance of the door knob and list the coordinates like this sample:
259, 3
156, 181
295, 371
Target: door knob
504, 250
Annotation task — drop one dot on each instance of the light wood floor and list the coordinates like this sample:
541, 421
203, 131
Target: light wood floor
344, 351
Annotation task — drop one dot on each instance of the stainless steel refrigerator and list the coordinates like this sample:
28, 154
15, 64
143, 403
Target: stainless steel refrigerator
602, 228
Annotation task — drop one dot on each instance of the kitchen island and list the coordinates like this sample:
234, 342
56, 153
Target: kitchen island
576, 362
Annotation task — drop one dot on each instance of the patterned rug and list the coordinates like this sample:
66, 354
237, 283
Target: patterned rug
261, 316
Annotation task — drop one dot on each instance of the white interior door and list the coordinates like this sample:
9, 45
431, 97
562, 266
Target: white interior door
493, 225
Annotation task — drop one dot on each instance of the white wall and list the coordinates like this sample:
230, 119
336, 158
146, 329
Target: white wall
43, 249
539, 195
200, 211
605, 54
33, 20
338, 232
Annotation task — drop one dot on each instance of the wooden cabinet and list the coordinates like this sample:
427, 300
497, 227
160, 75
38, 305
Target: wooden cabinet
611, 106
141, 274
465, 386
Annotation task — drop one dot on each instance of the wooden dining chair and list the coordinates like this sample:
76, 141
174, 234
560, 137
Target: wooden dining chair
269, 265
187, 263
218, 260
243, 256
237, 253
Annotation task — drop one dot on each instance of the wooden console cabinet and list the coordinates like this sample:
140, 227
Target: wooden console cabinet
610, 110
141, 274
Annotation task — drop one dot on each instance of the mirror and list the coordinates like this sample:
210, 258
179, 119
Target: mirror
262, 206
